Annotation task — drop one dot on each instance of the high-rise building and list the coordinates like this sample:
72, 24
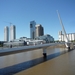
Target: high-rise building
12, 32
39, 30
6, 33
32, 29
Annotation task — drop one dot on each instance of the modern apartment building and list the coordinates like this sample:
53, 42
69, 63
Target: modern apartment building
12, 32
6, 33
32, 29
39, 30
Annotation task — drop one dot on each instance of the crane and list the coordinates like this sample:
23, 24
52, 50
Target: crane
8, 22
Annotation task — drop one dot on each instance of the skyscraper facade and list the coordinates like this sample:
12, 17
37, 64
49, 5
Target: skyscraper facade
32, 29
12, 32
6, 33
39, 30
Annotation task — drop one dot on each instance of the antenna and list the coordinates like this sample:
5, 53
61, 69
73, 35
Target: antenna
63, 29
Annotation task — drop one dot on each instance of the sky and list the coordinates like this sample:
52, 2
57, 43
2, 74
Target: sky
21, 12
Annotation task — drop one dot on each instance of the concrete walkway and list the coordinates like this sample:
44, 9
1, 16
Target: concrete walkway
61, 65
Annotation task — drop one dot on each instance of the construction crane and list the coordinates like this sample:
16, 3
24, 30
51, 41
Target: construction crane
8, 22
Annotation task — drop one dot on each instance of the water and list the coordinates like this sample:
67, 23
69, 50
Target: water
13, 59
61, 65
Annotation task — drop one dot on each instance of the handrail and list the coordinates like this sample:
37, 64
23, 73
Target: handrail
9, 51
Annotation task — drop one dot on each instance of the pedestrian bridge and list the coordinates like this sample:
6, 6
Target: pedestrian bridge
9, 51
31, 62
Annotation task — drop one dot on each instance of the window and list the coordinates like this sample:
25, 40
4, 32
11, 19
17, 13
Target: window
31, 25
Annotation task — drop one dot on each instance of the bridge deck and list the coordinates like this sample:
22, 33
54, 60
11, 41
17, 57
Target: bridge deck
62, 65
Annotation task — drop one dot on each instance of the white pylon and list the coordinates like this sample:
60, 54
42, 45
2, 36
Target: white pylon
63, 29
